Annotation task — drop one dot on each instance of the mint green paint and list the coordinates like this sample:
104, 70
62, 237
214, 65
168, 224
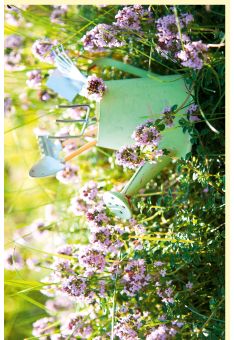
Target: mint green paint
129, 103
143, 175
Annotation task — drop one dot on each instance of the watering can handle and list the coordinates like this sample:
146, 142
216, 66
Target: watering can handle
125, 67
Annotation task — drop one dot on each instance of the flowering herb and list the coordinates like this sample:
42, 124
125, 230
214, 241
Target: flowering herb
147, 137
94, 88
100, 37
42, 49
34, 79
177, 45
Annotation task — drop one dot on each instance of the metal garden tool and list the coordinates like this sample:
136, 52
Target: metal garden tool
66, 80
51, 147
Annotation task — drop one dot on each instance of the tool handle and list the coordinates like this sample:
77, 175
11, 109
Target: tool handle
83, 148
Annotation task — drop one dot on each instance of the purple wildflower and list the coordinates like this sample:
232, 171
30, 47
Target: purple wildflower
68, 175
78, 206
65, 250
177, 323
147, 134
130, 17
13, 260
74, 286
102, 239
135, 277
62, 268
76, 326
192, 54
189, 285
163, 272
8, 108
13, 41
94, 88
42, 49
57, 14
158, 264
92, 260
130, 157
100, 37
89, 191
34, 79
97, 216
12, 61
159, 333
127, 326
167, 294
102, 288
60, 303
191, 110
43, 326
169, 40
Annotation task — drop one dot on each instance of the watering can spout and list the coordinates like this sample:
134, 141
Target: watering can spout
144, 174
118, 203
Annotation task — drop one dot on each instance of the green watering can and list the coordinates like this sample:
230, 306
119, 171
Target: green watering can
126, 105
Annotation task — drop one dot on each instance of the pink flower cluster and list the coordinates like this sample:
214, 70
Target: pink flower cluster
13, 41
100, 37
192, 54
135, 277
76, 287
166, 294
147, 134
76, 326
97, 216
192, 110
68, 175
58, 13
105, 239
89, 192
13, 260
162, 332
43, 326
130, 157
12, 53
94, 88
108, 36
92, 260
130, 17
177, 45
127, 326
34, 79
78, 206
42, 49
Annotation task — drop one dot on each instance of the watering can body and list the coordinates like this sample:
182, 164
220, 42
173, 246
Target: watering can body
126, 105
